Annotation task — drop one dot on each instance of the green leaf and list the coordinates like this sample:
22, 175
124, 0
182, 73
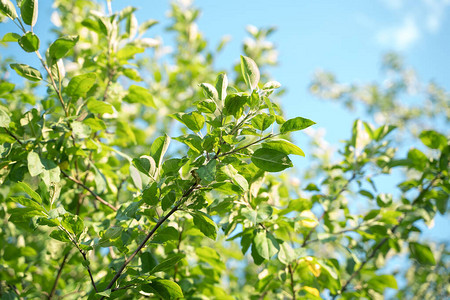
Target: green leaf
295, 124
250, 72
283, 146
422, 253
166, 289
262, 121
146, 25
168, 263
73, 223
8, 9
286, 255
106, 293
61, 46
99, 107
80, 85
237, 178
128, 52
417, 159
271, 160
27, 72
145, 164
193, 120
29, 42
138, 94
433, 139
28, 190
208, 172
168, 200
234, 104
210, 91
166, 234
35, 166
4, 118
10, 37
266, 244
380, 282
206, 106
205, 224
132, 74
221, 86
27, 202
80, 130
29, 11
60, 236
159, 148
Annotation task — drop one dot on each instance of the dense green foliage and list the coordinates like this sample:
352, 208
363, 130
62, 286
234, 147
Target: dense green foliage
138, 173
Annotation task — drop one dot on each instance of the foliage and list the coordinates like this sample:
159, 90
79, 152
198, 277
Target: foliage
151, 176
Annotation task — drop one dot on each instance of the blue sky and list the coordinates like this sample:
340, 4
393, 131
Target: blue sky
345, 37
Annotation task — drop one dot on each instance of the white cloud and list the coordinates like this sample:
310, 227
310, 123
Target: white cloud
400, 37
394, 4
435, 13
417, 19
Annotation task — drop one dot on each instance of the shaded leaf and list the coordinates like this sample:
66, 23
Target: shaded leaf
422, 253
166, 289
205, 224
168, 263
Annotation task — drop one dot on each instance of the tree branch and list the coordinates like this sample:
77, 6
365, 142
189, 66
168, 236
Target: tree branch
97, 197
13, 136
150, 234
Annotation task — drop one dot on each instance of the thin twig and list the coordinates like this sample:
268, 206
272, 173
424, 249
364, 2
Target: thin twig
246, 146
58, 92
58, 275
384, 240
150, 234
97, 197
13, 136
291, 273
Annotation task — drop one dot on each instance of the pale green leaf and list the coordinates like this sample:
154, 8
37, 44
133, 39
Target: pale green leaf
283, 146
35, 166
27, 72
4, 118
138, 94
250, 72
8, 9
